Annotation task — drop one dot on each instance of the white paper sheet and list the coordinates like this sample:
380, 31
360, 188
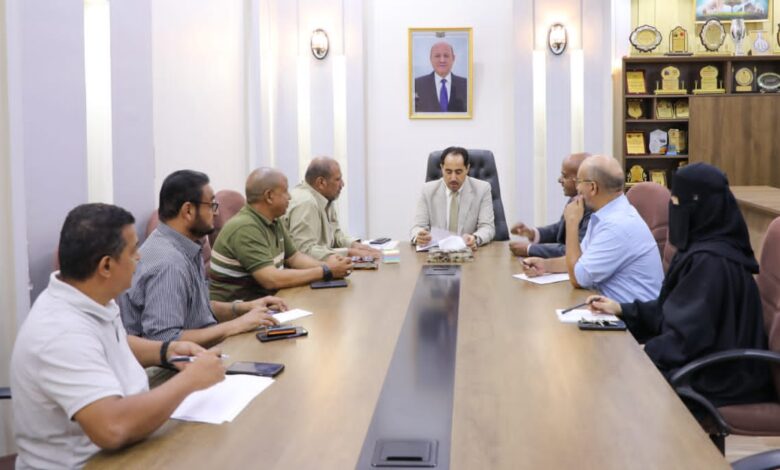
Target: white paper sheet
573, 316
437, 234
290, 315
222, 402
544, 279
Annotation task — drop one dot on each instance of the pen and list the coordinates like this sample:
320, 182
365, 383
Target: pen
175, 359
575, 307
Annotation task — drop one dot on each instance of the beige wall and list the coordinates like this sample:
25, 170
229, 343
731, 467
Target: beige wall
667, 14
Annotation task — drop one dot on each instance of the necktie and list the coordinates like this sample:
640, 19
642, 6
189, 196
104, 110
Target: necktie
453, 226
443, 98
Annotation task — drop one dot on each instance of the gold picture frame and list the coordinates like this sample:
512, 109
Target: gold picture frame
429, 62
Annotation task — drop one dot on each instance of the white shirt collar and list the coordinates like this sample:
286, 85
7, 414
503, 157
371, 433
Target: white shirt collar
79, 300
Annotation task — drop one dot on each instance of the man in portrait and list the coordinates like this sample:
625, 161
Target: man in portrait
441, 91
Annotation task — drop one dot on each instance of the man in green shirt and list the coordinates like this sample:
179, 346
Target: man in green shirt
311, 217
254, 255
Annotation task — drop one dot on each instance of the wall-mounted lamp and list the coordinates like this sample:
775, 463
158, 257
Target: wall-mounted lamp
557, 38
320, 44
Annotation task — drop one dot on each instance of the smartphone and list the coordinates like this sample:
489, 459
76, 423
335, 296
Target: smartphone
264, 337
379, 241
263, 369
603, 325
328, 284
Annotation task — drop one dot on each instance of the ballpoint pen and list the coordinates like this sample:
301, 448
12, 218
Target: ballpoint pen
175, 359
576, 306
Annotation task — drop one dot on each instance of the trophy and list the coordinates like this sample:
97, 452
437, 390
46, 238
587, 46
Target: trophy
760, 45
635, 175
634, 109
678, 42
681, 109
744, 78
709, 82
670, 83
658, 176
712, 35
738, 33
768, 82
658, 142
677, 144
635, 143
664, 110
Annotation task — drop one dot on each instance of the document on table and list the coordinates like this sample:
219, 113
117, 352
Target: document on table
544, 278
222, 402
573, 316
290, 315
437, 234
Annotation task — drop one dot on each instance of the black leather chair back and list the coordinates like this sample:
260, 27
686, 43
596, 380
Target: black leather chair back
483, 167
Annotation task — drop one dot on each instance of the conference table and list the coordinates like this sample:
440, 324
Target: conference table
529, 391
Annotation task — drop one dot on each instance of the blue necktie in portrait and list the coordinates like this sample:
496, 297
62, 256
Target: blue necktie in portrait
443, 98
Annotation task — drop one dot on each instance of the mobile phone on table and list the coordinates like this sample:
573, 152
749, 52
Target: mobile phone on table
328, 284
263, 369
281, 332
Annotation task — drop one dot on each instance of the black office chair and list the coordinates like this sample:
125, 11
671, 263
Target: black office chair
764, 461
483, 167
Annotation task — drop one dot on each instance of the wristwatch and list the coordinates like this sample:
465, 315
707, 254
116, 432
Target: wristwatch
327, 275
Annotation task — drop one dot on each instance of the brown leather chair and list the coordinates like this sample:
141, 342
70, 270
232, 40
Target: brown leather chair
230, 202
651, 200
154, 220
755, 419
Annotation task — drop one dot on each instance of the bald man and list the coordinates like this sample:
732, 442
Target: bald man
550, 241
618, 256
441, 91
254, 254
312, 219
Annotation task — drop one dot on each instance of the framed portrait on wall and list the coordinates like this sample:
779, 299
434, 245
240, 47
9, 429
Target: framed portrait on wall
440, 73
724, 10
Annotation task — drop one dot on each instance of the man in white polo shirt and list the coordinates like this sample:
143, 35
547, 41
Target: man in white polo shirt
77, 379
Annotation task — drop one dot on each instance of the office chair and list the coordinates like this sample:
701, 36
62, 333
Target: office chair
754, 419
483, 167
230, 202
651, 200
154, 221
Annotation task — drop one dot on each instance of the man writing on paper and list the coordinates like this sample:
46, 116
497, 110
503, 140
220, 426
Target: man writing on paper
441, 91
254, 254
618, 256
77, 378
456, 202
311, 217
550, 241
169, 298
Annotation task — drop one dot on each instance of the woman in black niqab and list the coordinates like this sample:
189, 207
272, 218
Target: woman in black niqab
709, 301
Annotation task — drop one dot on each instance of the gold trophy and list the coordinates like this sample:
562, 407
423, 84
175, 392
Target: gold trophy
744, 78
709, 82
670, 83
635, 175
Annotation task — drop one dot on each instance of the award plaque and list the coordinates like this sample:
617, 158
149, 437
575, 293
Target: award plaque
635, 82
670, 83
634, 109
768, 82
677, 142
712, 35
678, 42
681, 109
760, 45
744, 78
658, 176
635, 175
635, 143
664, 110
709, 81
658, 142
645, 38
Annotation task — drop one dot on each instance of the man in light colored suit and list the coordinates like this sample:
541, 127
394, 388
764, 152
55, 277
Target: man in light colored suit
456, 202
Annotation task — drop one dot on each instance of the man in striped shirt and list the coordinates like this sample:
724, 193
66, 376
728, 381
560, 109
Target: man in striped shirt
169, 297
254, 254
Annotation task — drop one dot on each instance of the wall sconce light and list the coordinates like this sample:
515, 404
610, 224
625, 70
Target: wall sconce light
320, 44
557, 38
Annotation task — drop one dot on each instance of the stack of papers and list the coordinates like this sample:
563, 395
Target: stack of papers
222, 402
544, 279
573, 316
391, 256
290, 315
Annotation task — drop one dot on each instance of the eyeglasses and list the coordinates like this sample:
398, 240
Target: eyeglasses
214, 205
578, 181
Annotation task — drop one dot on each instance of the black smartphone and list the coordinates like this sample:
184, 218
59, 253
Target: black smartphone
263, 369
328, 284
264, 337
602, 325
379, 241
